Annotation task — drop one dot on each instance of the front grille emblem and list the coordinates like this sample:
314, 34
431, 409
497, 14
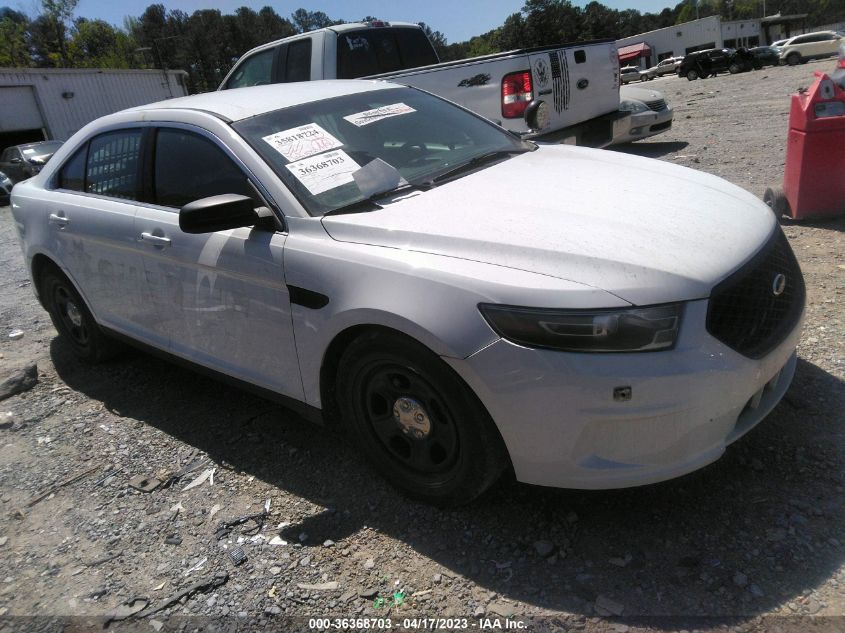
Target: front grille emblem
778, 284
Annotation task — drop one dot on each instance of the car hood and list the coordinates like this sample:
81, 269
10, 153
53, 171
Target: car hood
642, 229
640, 94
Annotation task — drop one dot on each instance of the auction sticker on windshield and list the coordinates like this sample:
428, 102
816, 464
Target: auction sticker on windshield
324, 172
384, 112
302, 141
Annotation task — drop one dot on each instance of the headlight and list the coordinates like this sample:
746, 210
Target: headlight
613, 330
629, 105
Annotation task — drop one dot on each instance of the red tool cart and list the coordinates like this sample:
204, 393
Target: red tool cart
814, 176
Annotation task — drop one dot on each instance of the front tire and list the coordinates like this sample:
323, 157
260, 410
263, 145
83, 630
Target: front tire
734, 69
793, 59
692, 75
73, 320
416, 421
776, 200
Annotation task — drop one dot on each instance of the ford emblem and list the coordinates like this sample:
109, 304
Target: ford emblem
778, 284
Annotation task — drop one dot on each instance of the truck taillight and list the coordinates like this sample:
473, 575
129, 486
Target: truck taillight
516, 94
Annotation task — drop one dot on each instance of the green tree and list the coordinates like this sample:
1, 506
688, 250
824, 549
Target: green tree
13, 45
437, 39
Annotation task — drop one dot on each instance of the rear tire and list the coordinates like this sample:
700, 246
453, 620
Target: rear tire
72, 318
416, 421
734, 69
692, 75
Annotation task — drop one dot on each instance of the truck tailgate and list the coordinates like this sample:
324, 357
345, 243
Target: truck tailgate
577, 82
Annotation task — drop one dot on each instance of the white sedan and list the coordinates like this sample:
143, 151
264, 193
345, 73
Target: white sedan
460, 301
651, 114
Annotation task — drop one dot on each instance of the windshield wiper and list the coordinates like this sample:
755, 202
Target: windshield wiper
367, 204
477, 161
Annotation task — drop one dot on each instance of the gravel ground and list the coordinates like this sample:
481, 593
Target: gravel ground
755, 541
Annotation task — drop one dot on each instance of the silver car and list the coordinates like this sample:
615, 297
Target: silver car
460, 301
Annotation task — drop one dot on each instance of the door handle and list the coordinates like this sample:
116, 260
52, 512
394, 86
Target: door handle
59, 220
155, 240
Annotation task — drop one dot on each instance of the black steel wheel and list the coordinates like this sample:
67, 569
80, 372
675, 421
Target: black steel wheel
72, 318
416, 420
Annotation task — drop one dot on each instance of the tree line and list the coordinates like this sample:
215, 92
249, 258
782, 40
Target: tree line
206, 43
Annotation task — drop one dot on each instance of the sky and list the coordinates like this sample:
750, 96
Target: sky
458, 20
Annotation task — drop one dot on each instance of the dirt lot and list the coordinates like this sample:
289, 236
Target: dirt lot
755, 541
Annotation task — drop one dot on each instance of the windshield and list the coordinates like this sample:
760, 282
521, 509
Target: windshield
319, 148
40, 151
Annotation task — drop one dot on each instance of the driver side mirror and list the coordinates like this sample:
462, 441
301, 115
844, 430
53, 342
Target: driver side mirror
220, 213
15, 160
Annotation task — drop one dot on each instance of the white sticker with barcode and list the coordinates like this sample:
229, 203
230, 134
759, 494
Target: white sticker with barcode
325, 171
302, 141
384, 112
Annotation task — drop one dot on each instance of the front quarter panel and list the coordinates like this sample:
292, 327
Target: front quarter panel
433, 299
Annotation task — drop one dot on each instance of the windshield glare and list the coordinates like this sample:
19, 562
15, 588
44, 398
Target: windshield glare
317, 148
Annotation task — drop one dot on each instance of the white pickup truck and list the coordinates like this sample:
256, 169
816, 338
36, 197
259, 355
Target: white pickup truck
568, 93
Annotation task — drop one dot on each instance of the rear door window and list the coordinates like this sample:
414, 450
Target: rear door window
113, 164
72, 174
298, 61
376, 51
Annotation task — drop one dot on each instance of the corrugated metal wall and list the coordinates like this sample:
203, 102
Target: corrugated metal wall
70, 98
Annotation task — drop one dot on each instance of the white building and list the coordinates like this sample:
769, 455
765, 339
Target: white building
53, 103
646, 49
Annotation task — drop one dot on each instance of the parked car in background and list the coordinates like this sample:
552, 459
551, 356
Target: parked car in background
839, 73
801, 48
650, 113
631, 73
702, 64
5, 189
765, 56
356, 248
668, 66
779, 43
20, 162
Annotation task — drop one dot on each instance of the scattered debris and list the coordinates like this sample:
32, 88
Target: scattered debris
58, 486
323, 586
225, 527
7, 420
206, 475
237, 555
212, 582
214, 510
369, 563
173, 539
159, 587
105, 559
3, 540
20, 381
606, 606
278, 540
143, 483
620, 562
272, 592
16, 335
127, 609
198, 566
369, 593
500, 609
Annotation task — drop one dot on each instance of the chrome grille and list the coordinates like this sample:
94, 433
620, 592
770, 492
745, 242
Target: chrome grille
658, 106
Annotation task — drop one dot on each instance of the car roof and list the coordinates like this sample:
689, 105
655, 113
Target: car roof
242, 103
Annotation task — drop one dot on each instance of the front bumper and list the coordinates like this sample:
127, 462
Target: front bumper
562, 427
645, 124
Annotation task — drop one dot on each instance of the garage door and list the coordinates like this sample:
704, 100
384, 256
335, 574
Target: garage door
20, 110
